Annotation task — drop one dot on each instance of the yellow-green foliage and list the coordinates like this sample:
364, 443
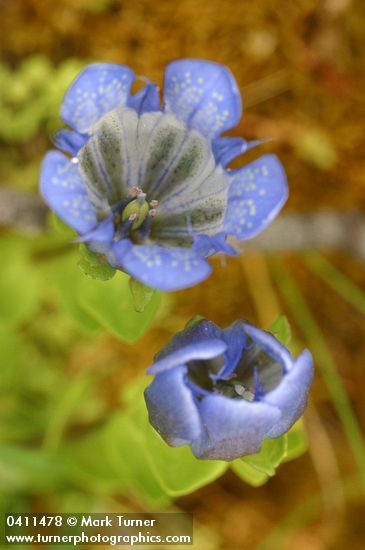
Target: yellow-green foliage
31, 94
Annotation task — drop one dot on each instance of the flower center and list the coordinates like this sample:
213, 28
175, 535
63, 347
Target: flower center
256, 374
169, 162
133, 216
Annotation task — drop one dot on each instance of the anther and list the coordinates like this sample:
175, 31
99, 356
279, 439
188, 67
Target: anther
75, 160
134, 191
152, 212
132, 217
153, 203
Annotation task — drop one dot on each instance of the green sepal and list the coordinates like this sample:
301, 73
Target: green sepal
194, 321
297, 441
94, 266
248, 474
141, 294
280, 328
258, 468
273, 452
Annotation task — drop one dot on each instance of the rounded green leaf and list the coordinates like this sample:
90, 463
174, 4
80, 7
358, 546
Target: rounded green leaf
110, 303
177, 470
20, 285
125, 450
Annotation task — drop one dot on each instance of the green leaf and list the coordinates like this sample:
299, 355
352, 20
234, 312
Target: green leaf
90, 469
93, 265
58, 228
141, 294
20, 284
297, 443
110, 303
280, 328
125, 449
176, 469
64, 273
64, 409
23, 469
11, 358
272, 453
249, 474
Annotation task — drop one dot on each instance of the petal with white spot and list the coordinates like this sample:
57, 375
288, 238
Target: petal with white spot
256, 195
98, 89
64, 191
162, 267
203, 94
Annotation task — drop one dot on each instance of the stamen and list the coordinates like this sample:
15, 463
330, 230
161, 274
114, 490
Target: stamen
132, 217
239, 389
145, 229
124, 229
258, 389
75, 160
152, 212
153, 203
134, 191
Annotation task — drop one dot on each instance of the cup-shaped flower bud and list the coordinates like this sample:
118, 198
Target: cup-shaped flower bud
224, 391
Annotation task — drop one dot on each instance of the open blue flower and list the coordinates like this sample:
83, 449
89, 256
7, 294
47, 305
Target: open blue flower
147, 186
224, 391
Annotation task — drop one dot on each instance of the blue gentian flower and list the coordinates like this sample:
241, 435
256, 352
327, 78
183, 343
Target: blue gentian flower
147, 186
224, 391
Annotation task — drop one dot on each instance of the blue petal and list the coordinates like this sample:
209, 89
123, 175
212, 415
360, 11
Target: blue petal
228, 148
117, 252
235, 339
98, 89
292, 393
99, 240
233, 428
203, 94
195, 332
207, 349
256, 195
63, 190
146, 100
270, 345
164, 268
171, 407
69, 142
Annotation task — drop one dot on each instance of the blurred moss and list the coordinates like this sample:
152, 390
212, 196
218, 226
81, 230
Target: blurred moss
316, 147
31, 95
